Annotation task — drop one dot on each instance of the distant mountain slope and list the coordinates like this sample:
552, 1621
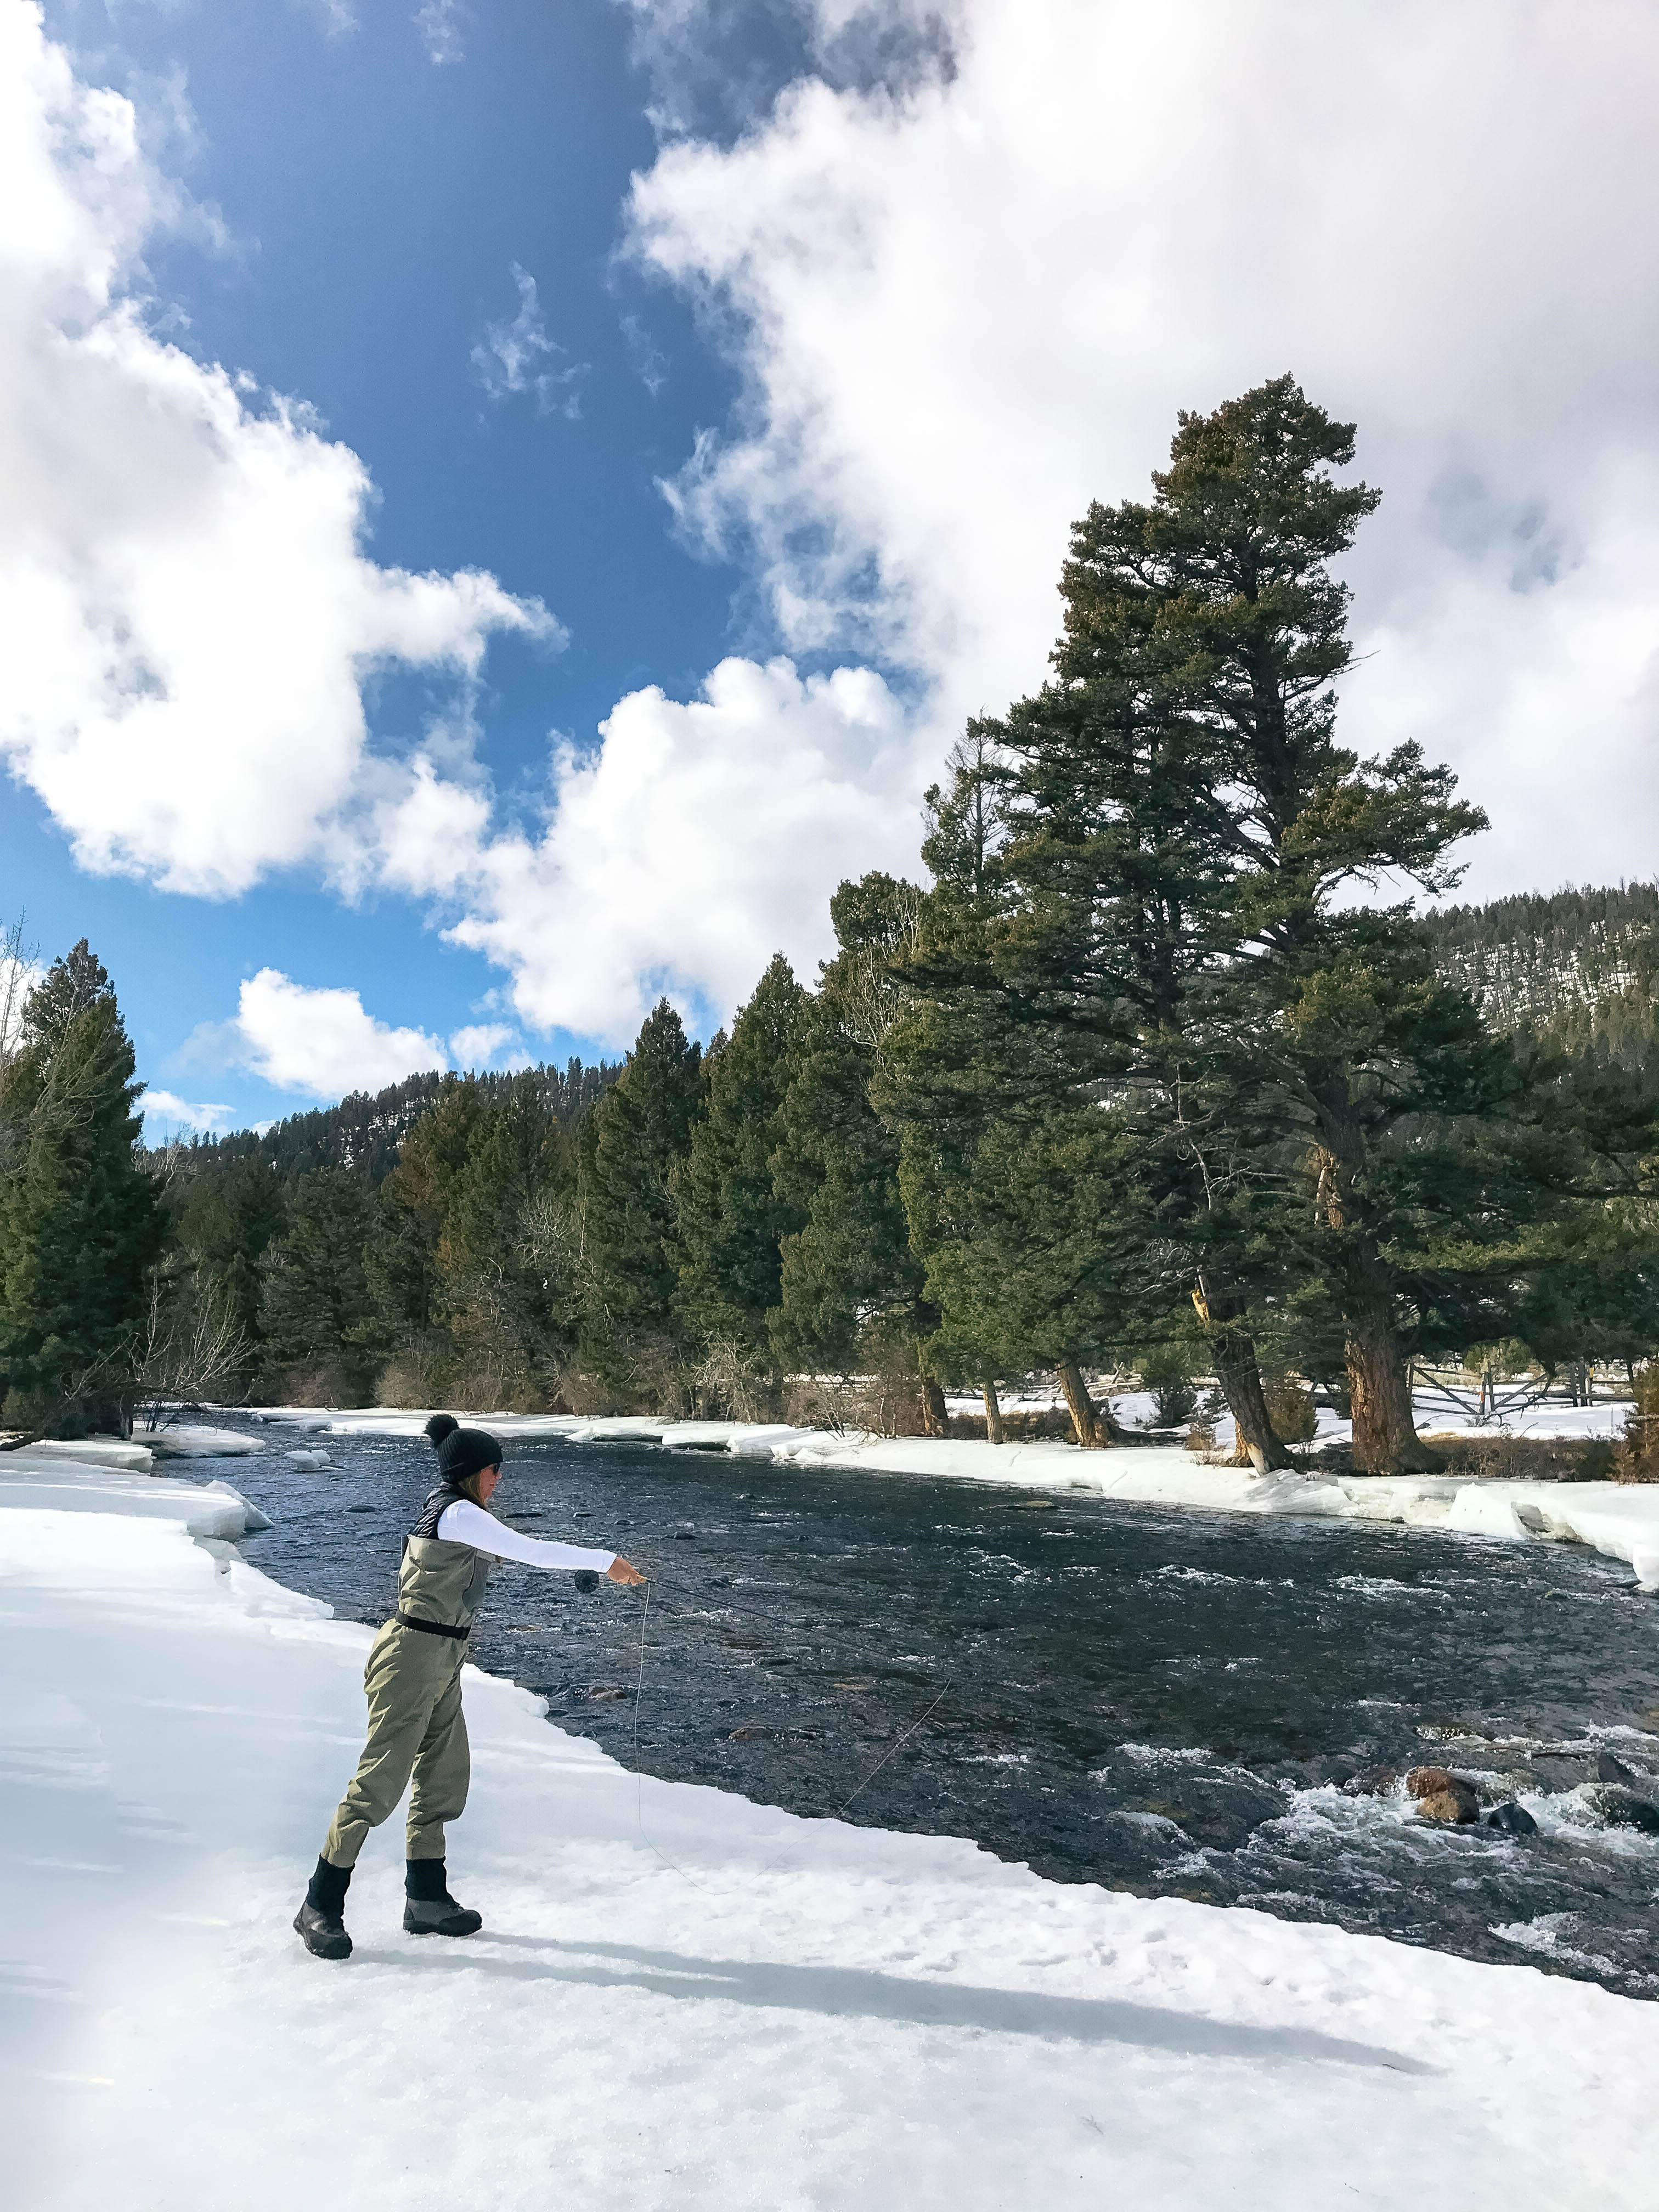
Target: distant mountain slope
1581, 965
361, 1134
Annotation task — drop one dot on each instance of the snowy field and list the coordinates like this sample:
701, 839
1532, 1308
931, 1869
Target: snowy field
681, 1998
1620, 1519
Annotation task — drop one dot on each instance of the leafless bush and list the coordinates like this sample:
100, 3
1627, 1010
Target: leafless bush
882, 1404
730, 1383
1635, 1455
1291, 1408
190, 1345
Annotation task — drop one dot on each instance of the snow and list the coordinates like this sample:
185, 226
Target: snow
96, 1451
681, 1999
51, 1481
190, 1440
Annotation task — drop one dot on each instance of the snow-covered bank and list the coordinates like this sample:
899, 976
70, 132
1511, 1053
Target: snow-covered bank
50, 1479
1622, 1519
805, 2016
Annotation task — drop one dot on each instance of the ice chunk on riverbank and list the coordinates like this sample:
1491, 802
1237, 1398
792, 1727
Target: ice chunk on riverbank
35, 1479
706, 2003
95, 1451
190, 1440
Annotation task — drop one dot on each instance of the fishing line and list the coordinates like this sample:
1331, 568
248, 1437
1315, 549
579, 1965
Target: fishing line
639, 1778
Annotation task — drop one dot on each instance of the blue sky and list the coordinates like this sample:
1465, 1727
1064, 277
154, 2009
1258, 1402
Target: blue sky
724, 375
373, 204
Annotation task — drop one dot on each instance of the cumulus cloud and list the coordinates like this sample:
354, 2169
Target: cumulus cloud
322, 1043
699, 839
965, 307
187, 612
479, 1044
518, 356
166, 1114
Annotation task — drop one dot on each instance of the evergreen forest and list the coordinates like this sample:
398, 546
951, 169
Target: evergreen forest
1178, 1060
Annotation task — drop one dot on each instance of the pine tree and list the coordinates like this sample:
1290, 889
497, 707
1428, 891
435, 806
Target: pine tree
404, 1230
79, 1221
628, 1148
1013, 1179
1340, 1039
315, 1310
731, 1220
851, 1294
506, 1262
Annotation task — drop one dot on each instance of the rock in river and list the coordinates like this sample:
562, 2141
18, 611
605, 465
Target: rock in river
1513, 1820
1441, 1794
1623, 1808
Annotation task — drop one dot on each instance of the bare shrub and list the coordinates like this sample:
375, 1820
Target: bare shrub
1499, 1457
1635, 1455
1291, 1408
883, 1405
329, 1383
191, 1346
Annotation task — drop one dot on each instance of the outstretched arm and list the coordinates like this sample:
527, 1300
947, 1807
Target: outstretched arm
464, 1522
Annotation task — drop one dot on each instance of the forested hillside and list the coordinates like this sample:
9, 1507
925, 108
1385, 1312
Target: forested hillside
361, 1135
1579, 965
1131, 1085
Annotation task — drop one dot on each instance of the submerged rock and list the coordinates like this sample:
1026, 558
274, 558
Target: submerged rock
1441, 1794
1609, 1769
1512, 1818
1623, 1808
1374, 1781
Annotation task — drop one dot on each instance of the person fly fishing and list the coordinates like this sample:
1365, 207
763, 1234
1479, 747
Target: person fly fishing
417, 1730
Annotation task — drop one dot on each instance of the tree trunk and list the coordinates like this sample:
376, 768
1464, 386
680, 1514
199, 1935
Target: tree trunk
935, 1421
993, 1414
1385, 1439
1091, 1431
1234, 1353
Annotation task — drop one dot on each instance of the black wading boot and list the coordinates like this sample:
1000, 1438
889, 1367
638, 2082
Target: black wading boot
428, 1908
319, 1922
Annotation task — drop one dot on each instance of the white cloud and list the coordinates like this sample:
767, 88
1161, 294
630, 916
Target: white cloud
508, 357
165, 1114
964, 311
438, 23
318, 1042
186, 611
697, 841
477, 1046
646, 358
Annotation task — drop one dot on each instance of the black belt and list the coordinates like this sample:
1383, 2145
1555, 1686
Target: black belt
429, 1627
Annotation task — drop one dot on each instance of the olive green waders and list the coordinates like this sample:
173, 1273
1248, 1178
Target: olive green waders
417, 1730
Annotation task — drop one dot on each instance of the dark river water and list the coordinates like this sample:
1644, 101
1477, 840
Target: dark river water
1167, 1703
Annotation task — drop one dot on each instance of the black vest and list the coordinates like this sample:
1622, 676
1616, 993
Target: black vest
446, 1495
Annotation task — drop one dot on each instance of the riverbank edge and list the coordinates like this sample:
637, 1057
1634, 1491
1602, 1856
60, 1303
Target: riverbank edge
1619, 1519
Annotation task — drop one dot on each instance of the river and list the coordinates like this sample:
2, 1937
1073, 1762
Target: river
1164, 1702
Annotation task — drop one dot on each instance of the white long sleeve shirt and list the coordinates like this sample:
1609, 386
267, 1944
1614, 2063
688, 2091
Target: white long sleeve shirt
464, 1522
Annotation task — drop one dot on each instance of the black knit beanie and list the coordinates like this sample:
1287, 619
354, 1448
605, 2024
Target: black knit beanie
440, 1426
466, 1452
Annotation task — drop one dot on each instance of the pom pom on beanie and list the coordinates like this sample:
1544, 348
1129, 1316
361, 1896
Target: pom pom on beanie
440, 1426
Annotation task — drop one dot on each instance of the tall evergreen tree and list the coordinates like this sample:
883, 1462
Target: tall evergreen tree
506, 1259
406, 1228
732, 1220
628, 1148
315, 1309
1012, 1178
851, 1294
79, 1219
1333, 1030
